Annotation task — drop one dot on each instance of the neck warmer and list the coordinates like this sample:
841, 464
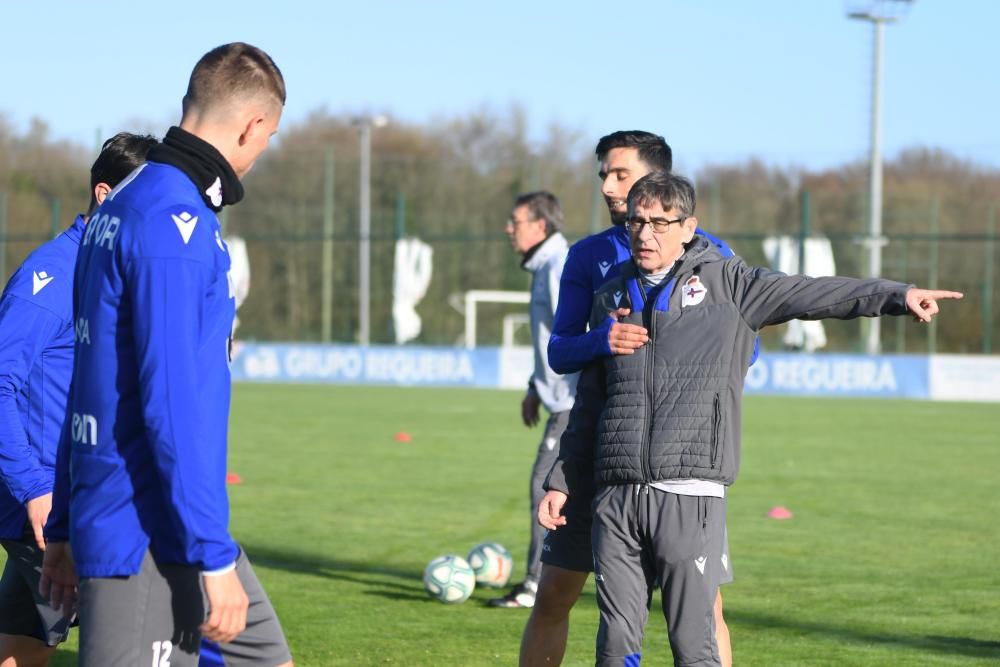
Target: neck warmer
203, 164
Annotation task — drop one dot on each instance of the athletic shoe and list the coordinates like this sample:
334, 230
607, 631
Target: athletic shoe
522, 596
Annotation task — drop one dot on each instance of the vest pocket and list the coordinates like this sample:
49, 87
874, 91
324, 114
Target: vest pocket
716, 429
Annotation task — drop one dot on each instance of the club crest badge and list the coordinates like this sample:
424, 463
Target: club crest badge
693, 292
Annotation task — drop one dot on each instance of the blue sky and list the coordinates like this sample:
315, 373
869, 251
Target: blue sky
786, 81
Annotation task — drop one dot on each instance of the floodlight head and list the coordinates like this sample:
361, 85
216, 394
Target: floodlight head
380, 120
884, 11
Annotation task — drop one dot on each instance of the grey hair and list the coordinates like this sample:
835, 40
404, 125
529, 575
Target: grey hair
669, 190
542, 205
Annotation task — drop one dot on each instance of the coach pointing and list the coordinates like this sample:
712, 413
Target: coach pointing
659, 430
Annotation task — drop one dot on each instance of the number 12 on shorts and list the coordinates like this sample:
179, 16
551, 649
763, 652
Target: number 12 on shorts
161, 653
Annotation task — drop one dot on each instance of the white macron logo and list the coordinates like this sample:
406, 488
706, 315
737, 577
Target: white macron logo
725, 562
604, 267
618, 298
214, 192
185, 224
700, 563
41, 279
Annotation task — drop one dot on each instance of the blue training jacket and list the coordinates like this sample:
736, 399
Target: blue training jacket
145, 443
36, 360
592, 261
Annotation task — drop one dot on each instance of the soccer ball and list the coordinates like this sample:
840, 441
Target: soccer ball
449, 579
492, 564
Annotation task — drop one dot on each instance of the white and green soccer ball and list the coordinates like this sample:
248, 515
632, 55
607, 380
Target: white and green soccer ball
492, 564
449, 579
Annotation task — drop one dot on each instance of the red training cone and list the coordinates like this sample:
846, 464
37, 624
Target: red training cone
780, 512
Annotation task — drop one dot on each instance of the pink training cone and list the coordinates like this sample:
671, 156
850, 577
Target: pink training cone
780, 512
402, 436
233, 478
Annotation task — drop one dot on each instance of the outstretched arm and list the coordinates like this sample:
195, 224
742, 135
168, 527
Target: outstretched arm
767, 297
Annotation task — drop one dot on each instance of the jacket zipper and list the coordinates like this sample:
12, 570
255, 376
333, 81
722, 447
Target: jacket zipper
717, 409
647, 435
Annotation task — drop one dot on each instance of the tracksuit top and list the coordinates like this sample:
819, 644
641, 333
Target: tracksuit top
36, 360
545, 262
592, 261
148, 408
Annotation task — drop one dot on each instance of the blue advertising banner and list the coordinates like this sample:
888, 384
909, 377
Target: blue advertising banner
886, 376
354, 364
839, 375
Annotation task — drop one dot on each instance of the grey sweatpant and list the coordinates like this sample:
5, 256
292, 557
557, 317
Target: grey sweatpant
548, 450
152, 618
645, 537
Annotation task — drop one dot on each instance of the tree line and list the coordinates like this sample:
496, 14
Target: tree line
451, 183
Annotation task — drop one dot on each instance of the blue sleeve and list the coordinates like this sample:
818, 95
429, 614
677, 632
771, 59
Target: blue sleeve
573, 471
182, 419
57, 526
25, 331
571, 346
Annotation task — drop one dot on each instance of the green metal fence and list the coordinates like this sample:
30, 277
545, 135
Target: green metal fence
304, 262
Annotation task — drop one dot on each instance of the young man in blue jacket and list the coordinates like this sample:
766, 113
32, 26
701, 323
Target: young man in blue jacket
624, 157
36, 361
146, 513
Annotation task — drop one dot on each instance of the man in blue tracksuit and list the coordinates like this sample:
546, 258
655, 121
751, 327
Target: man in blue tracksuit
36, 361
146, 513
567, 558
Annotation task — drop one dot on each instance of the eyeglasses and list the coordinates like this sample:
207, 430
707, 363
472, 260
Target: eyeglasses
514, 222
659, 225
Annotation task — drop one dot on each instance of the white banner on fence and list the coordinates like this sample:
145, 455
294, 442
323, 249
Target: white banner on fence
955, 377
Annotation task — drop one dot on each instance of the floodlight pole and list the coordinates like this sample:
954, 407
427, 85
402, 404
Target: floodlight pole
874, 342
875, 240
365, 125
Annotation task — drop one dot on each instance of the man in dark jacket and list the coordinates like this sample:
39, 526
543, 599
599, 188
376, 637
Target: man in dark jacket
659, 430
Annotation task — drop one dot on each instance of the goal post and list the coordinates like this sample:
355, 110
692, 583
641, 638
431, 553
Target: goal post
474, 297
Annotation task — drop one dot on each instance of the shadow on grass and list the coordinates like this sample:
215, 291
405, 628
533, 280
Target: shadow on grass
388, 582
965, 646
369, 574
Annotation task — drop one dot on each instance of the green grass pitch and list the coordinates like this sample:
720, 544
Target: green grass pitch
891, 558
